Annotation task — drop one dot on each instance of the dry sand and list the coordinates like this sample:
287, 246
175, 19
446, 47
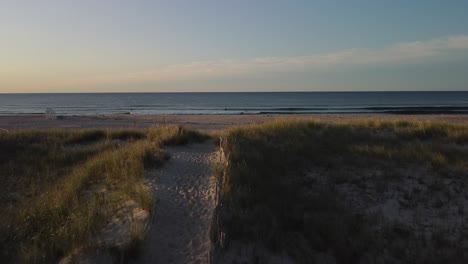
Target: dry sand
184, 190
184, 187
200, 122
178, 231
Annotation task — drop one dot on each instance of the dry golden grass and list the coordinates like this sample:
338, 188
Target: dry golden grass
272, 193
61, 186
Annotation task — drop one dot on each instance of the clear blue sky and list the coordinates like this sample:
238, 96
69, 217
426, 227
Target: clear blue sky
242, 45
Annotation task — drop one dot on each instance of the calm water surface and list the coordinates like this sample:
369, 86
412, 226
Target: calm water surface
236, 103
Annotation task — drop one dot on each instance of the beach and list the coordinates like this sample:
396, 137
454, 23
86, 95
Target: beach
162, 188
198, 122
228, 132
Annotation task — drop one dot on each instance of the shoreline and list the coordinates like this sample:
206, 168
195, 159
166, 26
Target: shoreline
370, 110
200, 122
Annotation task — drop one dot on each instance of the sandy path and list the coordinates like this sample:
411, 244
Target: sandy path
184, 189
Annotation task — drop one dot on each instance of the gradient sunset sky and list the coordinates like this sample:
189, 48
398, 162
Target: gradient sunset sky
236, 45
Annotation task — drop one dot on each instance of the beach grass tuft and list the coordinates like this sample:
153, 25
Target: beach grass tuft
61, 186
290, 186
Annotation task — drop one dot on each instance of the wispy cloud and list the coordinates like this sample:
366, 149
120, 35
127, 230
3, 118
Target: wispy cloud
399, 53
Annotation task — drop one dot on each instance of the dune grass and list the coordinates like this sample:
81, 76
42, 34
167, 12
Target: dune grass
282, 181
60, 187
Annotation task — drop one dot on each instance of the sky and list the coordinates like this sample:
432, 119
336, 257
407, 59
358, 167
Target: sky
232, 45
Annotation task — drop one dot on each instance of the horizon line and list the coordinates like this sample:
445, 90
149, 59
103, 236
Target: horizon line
227, 92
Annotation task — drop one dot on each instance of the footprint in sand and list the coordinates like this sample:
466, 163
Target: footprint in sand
180, 226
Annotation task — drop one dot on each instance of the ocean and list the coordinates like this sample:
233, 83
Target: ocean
237, 103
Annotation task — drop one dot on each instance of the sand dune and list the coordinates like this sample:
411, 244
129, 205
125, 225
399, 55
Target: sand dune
199, 122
